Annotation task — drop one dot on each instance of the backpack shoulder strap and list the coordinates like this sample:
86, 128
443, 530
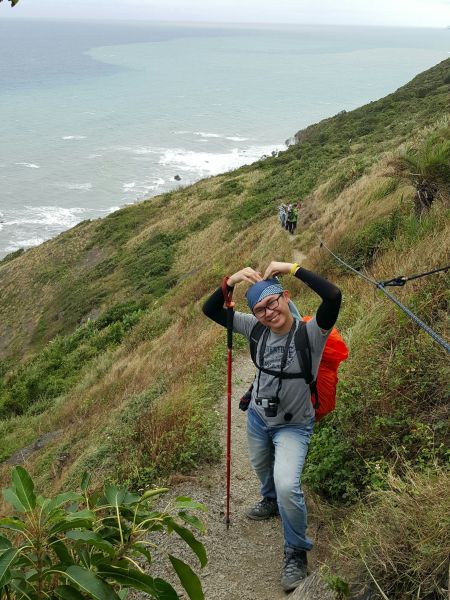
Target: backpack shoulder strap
303, 348
304, 354
255, 336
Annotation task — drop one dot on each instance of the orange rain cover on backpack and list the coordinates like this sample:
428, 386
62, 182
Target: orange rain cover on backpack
334, 353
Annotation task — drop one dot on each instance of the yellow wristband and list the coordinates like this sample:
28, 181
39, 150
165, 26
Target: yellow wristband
294, 267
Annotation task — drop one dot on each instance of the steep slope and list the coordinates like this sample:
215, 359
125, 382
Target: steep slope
103, 343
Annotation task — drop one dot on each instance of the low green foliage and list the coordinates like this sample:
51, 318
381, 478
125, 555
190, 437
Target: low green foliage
86, 545
182, 441
339, 586
118, 227
59, 366
12, 255
431, 161
360, 249
399, 418
230, 187
148, 265
333, 469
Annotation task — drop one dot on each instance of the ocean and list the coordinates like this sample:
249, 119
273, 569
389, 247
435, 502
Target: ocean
98, 115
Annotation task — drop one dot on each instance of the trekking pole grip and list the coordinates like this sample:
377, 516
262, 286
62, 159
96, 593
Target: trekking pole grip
227, 296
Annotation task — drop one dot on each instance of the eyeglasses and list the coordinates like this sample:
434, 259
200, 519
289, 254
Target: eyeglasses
272, 305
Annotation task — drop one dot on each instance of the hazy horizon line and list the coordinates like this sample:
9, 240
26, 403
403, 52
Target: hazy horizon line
237, 24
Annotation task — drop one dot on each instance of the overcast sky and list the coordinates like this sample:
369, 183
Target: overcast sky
422, 13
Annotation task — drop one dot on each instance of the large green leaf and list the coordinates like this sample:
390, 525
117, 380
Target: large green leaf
192, 520
60, 500
92, 538
11, 498
85, 480
190, 539
24, 487
155, 492
67, 592
141, 549
66, 524
23, 589
6, 560
89, 583
186, 502
115, 495
4, 543
10, 523
82, 519
131, 578
81, 514
61, 551
164, 591
188, 578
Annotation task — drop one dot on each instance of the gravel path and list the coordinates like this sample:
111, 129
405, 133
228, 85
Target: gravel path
244, 563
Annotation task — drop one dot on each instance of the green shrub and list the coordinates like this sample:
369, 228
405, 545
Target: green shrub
228, 188
85, 545
58, 367
12, 255
359, 250
333, 469
147, 266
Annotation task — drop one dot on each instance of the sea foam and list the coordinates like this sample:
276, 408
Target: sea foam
85, 187
28, 165
212, 163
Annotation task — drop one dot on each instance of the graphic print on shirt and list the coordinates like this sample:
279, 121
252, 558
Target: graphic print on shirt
274, 354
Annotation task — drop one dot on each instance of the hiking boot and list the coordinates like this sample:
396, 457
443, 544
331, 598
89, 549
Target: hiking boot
295, 568
264, 509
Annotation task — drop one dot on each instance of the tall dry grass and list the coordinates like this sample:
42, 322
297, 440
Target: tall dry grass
401, 536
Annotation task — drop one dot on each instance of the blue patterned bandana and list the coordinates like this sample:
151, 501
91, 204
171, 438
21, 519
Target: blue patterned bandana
261, 289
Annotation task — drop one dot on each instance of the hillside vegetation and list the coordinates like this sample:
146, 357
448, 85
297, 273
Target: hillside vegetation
103, 344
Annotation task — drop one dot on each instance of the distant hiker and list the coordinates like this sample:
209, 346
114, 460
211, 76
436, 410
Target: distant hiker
288, 212
282, 214
280, 415
292, 219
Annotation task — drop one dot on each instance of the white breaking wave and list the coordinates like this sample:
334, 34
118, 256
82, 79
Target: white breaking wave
46, 215
29, 165
135, 149
27, 243
210, 163
85, 187
207, 135
140, 189
73, 137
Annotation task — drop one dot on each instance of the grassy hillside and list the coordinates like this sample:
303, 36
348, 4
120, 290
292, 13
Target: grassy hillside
103, 344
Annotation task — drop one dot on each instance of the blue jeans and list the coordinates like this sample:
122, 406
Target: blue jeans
277, 455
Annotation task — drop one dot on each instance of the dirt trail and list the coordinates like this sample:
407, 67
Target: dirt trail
244, 563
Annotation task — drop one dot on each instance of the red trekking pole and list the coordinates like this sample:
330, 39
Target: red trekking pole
227, 294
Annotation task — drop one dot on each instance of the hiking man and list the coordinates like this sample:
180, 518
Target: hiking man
292, 219
281, 415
